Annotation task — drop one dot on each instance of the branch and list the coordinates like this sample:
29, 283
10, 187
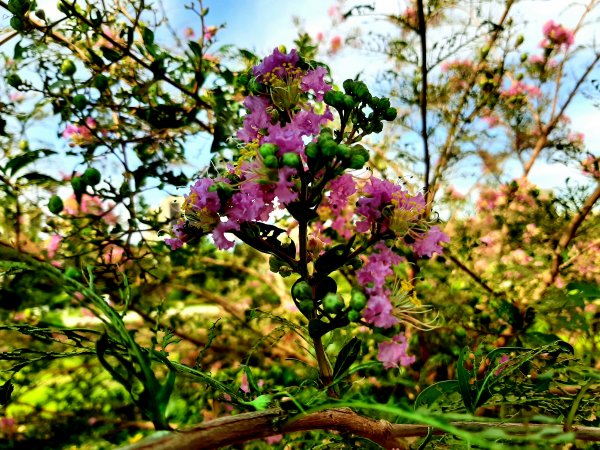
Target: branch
257, 425
423, 99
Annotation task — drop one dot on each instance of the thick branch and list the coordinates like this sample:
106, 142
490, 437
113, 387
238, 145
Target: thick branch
256, 425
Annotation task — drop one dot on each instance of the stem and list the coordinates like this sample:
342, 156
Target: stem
423, 99
325, 371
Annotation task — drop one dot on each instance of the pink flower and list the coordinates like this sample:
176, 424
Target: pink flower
395, 352
209, 32
274, 439
341, 188
313, 80
518, 88
113, 254
335, 44
430, 243
556, 34
284, 189
53, 244
503, 360
189, 33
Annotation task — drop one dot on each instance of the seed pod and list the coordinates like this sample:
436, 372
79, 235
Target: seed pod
68, 67
91, 176
55, 204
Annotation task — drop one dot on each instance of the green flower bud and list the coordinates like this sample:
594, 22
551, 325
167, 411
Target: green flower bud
268, 149
24, 145
390, 114
301, 290
41, 14
334, 99
312, 150
333, 303
271, 161
519, 40
306, 307
358, 300
342, 151
349, 102
329, 148
78, 184
55, 204
68, 67
291, 160
524, 57
354, 316
349, 86
91, 176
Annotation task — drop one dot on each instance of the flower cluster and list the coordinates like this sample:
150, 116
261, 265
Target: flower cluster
290, 159
80, 134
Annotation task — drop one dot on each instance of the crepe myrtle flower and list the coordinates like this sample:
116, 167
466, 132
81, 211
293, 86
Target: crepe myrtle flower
395, 352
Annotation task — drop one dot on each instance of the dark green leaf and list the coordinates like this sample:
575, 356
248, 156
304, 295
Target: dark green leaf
431, 393
464, 376
346, 357
6, 391
147, 36
20, 161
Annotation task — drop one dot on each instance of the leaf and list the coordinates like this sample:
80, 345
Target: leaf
6, 391
20, 161
251, 381
346, 357
464, 376
110, 54
196, 49
147, 36
431, 393
38, 178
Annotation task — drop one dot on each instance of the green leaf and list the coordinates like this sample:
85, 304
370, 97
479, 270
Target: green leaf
38, 178
196, 49
464, 376
147, 36
431, 393
20, 161
110, 54
346, 357
6, 391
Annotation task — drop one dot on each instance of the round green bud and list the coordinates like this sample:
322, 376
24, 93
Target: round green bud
357, 161
101, 83
382, 104
55, 204
333, 303
524, 57
329, 148
484, 52
268, 149
354, 316
349, 102
14, 80
91, 176
519, 76
291, 159
349, 86
41, 14
358, 300
68, 67
312, 150
78, 184
342, 151
271, 162
306, 307
301, 290
80, 101
390, 114
24, 145
16, 23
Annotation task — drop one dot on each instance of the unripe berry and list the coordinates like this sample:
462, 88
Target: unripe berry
80, 101
78, 184
354, 316
390, 114
358, 300
301, 290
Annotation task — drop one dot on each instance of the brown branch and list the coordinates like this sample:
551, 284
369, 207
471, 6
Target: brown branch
472, 274
257, 425
543, 139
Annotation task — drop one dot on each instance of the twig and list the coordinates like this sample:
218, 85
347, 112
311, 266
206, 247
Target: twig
423, 99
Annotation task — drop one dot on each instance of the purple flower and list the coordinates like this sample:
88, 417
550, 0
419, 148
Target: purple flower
309, 123
430, 243
256, 120
378, 267
341, 188
200, 198
284, 187
379, 193
379, 312
313, 80
277, 60
395, 352
288, 138
218, 234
